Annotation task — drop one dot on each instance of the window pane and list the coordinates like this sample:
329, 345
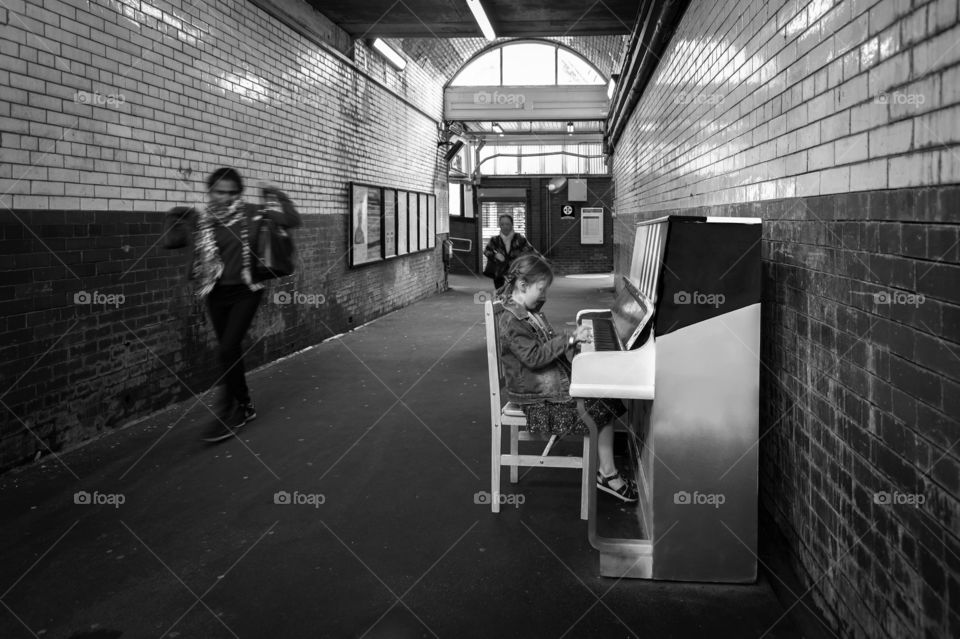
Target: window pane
454, 202
530, 164
484, 71
531, 63
573, 70
507, 163
504, 165
485, 167
544, 159
552, 163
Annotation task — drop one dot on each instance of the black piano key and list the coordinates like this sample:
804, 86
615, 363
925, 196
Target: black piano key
604, 337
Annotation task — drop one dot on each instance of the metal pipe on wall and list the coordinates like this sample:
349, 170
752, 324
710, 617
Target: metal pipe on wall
656, 31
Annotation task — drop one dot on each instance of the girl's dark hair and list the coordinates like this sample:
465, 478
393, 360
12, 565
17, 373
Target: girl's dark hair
530, 268
224, 173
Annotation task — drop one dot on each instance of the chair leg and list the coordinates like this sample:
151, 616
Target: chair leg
514, 450
495, 451
587, 484
548, 447
590, 470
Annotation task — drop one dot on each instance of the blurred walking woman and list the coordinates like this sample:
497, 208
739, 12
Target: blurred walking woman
222, 237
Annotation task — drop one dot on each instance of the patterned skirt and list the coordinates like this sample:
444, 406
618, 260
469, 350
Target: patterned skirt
563, 419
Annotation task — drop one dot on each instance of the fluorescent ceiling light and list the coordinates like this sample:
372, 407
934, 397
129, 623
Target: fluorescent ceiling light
481, 17
569, 128
390, 54
497, 128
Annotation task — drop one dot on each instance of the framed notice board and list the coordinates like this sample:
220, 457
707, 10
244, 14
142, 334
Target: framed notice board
422, 219
366, 215
402, 225
387, 222
413, 224
431, 221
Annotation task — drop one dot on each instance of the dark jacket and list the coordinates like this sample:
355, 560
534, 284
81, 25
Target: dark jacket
535, 364
180, 226
518, 246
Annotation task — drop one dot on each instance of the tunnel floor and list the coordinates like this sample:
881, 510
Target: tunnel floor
346, 509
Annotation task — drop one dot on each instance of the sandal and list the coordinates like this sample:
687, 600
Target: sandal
627, 491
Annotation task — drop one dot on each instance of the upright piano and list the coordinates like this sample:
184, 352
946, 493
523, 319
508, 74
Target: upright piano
692, 388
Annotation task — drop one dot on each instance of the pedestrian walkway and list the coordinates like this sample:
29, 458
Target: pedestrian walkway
346, 509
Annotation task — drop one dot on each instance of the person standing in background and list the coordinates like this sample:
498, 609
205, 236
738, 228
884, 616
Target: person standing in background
502, 249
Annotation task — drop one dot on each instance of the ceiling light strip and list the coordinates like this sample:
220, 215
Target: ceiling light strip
481, 17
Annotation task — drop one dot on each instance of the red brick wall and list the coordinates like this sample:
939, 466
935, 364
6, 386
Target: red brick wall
557, 238
567, 252
119, 113
837, 123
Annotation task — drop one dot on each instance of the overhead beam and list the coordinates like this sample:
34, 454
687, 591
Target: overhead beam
417, 29
520, 103
510, 139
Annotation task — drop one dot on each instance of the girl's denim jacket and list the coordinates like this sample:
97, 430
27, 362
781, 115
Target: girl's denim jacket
534, 362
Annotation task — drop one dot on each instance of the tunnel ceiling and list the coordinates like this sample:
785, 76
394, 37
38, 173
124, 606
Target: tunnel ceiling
452, 18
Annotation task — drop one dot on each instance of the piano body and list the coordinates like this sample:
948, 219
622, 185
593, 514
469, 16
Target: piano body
693, 393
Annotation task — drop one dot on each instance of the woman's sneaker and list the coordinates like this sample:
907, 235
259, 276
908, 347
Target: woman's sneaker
224, 427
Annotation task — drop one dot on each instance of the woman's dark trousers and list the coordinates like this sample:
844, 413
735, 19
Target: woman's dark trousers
232, 307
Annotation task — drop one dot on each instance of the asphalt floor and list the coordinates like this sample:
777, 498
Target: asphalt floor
348, 508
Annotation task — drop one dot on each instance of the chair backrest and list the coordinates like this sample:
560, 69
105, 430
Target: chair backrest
494, 372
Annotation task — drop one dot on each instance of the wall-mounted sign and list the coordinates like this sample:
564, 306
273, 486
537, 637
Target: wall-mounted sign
366, 214
567, 211
577, 189
591, 225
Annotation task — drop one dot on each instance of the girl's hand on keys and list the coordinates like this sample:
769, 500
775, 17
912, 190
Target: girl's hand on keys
583, 334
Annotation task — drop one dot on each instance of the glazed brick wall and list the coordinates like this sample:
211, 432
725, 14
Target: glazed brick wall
838, 124
112, 112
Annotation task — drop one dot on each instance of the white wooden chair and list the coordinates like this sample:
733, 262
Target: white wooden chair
511, 416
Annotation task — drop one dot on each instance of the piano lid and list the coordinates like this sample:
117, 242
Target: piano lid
708, 270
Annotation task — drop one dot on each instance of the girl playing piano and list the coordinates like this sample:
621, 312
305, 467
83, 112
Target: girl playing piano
536, 367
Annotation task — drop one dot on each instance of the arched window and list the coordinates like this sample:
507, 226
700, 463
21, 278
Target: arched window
530, 63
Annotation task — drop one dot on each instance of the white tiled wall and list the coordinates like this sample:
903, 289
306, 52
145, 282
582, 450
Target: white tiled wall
128, 104
758, 100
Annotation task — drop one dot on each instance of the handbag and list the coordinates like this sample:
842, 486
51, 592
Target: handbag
274, 253
493, 268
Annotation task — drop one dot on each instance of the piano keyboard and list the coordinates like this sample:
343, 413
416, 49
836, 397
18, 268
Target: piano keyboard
604, 336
